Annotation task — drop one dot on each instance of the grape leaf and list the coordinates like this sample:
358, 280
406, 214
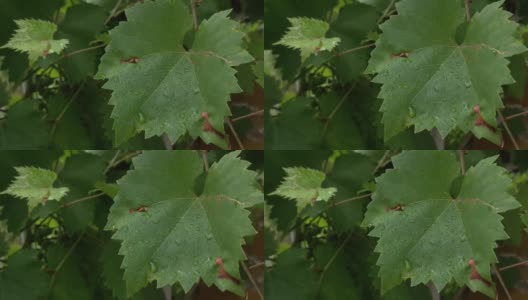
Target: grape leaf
177, 85
294, 128
337, 282
308, 35
35, 37
24, 128
173, 232
304, 186
36, 186
291, 278
69, 281
23, 278
431, 80
426, 234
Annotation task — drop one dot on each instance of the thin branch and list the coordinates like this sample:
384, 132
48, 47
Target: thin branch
462, 161
257, 265
67, 55
126, 157
508, 131
524, 113
382, 161
468, 11
71, 203
194, 14
497, 273
519, 264
332, 259
256, 113
120, 11
114, 10
61, 114
354, 49
350, 200
253, 282
63, 260
112, 162
235, 134
205, 160
387, 11
334, 112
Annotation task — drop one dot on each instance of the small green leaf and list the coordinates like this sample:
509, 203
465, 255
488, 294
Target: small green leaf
304, 186
35, 37
35, 185
308, 35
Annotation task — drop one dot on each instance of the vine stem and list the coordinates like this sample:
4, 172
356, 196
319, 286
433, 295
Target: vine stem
522, 263
468, 12
332, 259
334, 112
112, 162
350, 200
125, 157
354, 49
253, 282
71, 203
205, 160
386, 12
462, 161
61, 114
235, 134
63, 260
508, 130
68, 55
257, 265
194, 14
499, 277
114, 10
256, 113
382, 161
524, 113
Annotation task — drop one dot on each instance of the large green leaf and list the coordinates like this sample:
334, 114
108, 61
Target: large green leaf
23, 278
434, 76
172, 229
177, 84
24, 128
291, 278
429, 231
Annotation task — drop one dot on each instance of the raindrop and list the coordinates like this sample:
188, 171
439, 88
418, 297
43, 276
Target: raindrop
468, 84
